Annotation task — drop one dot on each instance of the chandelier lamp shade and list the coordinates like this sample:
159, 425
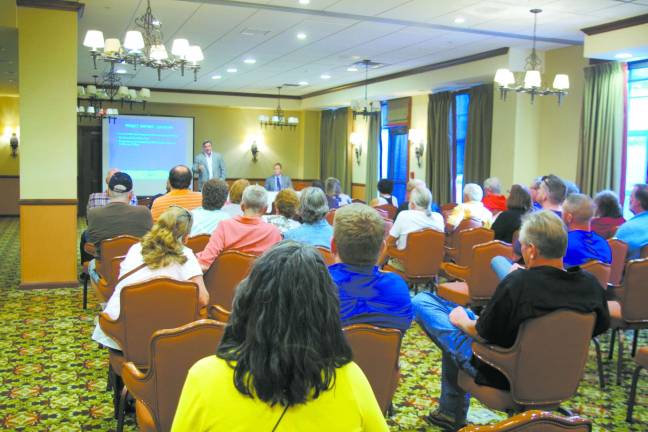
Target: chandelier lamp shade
278, 118
145, 47
532, 82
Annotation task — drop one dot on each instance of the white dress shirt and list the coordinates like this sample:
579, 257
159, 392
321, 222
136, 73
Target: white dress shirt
210, 167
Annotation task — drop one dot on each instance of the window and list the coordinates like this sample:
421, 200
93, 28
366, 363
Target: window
637, 138
460, 105
394, 155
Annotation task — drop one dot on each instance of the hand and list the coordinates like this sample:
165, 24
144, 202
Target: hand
458, 317
516, 266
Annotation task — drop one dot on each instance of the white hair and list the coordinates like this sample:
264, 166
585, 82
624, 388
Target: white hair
421, 197
415, 183
493, 185
255, 198
473, 192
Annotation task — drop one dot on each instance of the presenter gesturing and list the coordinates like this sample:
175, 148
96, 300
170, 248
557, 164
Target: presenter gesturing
208, 165
278, 181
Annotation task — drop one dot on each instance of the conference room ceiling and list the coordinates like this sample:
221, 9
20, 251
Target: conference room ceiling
401, 34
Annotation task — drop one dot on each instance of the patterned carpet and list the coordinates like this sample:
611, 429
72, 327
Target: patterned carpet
53, 378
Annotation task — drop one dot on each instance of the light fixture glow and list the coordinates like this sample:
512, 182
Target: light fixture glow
623, 55
532, 79
94, 39
134, 41
352, 69
216, 77
180, 47
120, 71
232, 70
301, 36
459, 20
304, 2
303, 83
249, 61
325, 76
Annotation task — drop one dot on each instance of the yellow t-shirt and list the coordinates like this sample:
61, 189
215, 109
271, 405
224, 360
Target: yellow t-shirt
211, 402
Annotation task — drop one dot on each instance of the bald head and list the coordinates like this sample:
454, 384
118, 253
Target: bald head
578, 209
180, 177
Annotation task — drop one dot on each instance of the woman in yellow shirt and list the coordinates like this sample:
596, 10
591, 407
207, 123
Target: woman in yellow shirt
283, 363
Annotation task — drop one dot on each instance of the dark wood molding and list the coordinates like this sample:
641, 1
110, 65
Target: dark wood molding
358, 184
616, 25
421, 69
40, 285
9, 176
48, 202
63, 5
213, 93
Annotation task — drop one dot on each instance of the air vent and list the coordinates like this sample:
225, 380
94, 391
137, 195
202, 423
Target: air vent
290, 85
249, 32
372, 64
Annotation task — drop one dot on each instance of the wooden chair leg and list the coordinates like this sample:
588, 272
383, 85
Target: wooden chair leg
85, 291
634, 342
599, 363
122, 409
620, 357
633, 394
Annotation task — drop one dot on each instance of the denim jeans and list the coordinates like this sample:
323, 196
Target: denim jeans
92, 271
501, 266
456, 347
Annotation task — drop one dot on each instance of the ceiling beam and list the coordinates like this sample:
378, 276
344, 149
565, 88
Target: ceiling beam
616, 25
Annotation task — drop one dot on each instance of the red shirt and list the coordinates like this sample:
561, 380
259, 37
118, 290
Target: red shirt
494, 202
606, 226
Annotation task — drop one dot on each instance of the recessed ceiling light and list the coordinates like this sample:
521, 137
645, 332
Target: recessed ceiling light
459, 20
120, 71
216, 77
232, 70
249, 61
301, 36
303, 83
623, 56
352, 69
325, 76
304, 2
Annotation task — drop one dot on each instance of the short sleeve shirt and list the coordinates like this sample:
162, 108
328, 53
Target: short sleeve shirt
414, 220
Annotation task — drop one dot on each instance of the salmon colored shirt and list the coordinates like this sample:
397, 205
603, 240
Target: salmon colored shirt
180, 197
248, 234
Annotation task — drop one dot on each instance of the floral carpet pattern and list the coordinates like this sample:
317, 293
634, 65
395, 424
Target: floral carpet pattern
53, 377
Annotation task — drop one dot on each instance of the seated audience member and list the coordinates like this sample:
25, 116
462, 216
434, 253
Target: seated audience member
334, 196
608, 215
161, 253
411, 184
315, 230
533, 190
551, 193
117, 217
247, 233
583, 245
207, 217
367, 295
510, 220
101, 199
472, 207
286, 204
417, 218
493, 199
233, 205
524, 294
635, 231
278, 181
319, 184
385, 189
571, 187
179, 194
283, 363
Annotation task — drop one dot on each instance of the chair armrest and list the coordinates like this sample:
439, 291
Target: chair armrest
219, 313
502, 359
455, 271
393, 252
112, 328
91, 249
140, 384
203, 313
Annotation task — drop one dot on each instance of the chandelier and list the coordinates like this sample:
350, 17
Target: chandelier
278, 118
92, 98
532, 83
366, 108
144, 48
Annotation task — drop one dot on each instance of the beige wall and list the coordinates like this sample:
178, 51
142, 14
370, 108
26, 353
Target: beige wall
361, 127
419, 121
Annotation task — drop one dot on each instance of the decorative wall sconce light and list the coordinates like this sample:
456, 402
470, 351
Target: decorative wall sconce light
357, 145
13, 142
416, 138
419, 154
254, 150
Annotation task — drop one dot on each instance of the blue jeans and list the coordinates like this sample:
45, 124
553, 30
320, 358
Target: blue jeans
501, 266
456, 347
92, 271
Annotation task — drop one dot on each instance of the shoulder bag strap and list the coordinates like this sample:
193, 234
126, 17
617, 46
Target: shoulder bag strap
135, 270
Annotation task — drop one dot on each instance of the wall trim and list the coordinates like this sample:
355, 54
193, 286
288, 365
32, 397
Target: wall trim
9, 176
63, 5
48, 202
40, 285
358, 184
616, 25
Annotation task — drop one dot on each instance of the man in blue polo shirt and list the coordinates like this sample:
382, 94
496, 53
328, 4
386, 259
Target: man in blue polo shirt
583, 245
367, 295
635, 231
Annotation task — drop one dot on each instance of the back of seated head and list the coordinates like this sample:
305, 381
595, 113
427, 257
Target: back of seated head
319, 184
332, 186
607, 204
385, 186
313, 205
285, 318
236, 191
421, 198
555, 188
640, 192
493, 185
472, 192
546, 231
214, 194
255, 198
519, 198
572, 188
120, 186
414, 183
358, 232
180, 177
287, 203
578, 208
163, 244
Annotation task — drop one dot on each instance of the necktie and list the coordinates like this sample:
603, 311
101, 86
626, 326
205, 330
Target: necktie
278, 183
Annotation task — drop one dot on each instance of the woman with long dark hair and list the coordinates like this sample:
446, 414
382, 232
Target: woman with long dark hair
283, 363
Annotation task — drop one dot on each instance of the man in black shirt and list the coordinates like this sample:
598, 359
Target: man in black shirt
524, 294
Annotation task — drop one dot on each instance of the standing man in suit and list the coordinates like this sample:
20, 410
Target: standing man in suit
208, 165
278, 181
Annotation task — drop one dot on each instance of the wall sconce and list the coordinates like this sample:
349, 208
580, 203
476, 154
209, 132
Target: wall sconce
357, 146
416, 138
255, 150
13, 142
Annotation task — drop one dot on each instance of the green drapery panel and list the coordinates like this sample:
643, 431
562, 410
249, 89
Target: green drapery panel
477, 156
439, 153
373, 152
601, 141
334, 142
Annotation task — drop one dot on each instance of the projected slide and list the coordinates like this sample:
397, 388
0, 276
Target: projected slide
146, 148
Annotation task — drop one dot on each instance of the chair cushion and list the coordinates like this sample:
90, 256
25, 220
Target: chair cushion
616, 321
456, 292
145, 421
490, 396
642, 357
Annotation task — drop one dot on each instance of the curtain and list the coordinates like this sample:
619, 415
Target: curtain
373, 152
439, 153
335, 160
601, 141
477, 159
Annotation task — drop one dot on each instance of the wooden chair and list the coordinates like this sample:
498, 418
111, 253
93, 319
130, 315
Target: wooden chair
389, 209
224, 275
446, 209
619, 250
105, 291
329, 257
110, 248
600, 270
330, 216
535, 421
478, 282
544, 366
219, 313
422, 257
198, 242
452, 240
631, 312
376, 351
643, 253
462, 253
642, 363
145, 308
157, 388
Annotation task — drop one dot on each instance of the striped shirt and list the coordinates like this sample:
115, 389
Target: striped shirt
101, 199
179, 197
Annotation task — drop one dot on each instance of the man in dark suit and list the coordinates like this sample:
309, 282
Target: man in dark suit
208, 165
278, 181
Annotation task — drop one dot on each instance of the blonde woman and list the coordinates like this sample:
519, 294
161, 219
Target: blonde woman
161, 253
